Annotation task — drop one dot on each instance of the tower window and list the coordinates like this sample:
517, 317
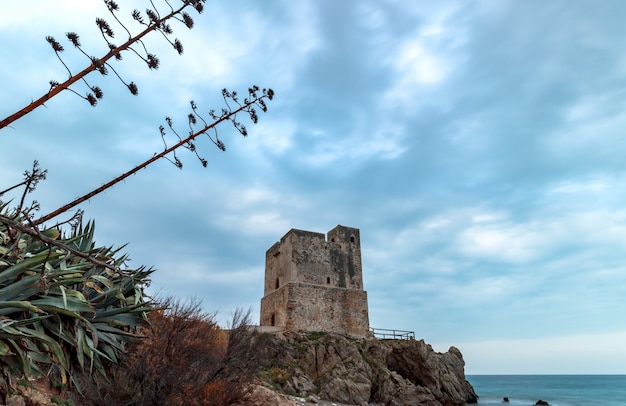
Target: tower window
277, 283
273, 321
328, 280
351, 238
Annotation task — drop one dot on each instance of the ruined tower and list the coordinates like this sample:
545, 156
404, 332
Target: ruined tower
314, 283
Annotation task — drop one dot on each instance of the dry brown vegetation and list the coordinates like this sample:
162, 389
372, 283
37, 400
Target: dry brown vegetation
184, 359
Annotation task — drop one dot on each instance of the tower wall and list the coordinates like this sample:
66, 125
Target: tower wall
316, 284
303, 307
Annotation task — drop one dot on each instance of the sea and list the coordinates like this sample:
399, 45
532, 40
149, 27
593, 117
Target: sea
557, 390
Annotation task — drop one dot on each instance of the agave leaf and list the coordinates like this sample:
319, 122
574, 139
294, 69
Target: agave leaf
27, 264
56, 329
86, 240
121, 310
14, 290
109, 340
54, 347
104, 328
4, 348
60, 310
23, 361
11, 331
128, 319
69, 280
31, 320
114, 322
64, 296
109, 351
69, 272
56, 291
110, 294
40, 357
94, 286
76, 383
21, 305
53, 233
103, 280
96, 355
82, 346
68, 303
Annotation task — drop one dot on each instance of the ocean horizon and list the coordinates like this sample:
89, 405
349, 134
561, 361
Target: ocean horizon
557, 390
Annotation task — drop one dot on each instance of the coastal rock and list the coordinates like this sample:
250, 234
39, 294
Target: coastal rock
396, 390
362, 371
443, 374
262, 396
340, 371
542, 403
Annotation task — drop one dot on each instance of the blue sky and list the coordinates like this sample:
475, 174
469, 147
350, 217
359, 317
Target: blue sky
479, 146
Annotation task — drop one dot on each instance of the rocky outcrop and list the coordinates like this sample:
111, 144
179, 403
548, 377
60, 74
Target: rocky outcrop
364, 371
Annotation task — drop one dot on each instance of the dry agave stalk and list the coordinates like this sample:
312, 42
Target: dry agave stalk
257, 99
152, 20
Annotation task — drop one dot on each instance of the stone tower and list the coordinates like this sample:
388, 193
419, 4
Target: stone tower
316, 284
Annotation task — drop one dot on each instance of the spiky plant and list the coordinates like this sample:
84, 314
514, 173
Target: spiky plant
64, 302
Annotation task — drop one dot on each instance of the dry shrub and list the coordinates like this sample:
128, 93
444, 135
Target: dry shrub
185, 359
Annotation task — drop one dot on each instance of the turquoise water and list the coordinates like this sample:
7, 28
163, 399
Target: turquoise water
558, 390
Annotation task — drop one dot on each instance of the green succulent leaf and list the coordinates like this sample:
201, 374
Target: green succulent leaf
27, 265
60, 308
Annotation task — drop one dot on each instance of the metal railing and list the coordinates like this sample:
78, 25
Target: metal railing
386, 334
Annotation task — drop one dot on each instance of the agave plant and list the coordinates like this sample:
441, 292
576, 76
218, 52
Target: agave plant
64, 302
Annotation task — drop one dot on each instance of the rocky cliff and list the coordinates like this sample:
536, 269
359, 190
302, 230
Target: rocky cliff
361, 372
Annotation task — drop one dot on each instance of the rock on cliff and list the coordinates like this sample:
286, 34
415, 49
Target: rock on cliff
361, 372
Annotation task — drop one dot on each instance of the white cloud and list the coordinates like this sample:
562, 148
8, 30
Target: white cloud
592, 127
504, 242
357, 148
602, 353
418, 65
594, 186
503, 239
272, 135
245, 46
423, 62
42, 13
255, 211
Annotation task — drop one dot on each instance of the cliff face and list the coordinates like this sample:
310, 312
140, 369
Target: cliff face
360, 372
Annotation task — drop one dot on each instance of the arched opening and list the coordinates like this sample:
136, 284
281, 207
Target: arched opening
273, 320
328, 280
277, 284
351, 238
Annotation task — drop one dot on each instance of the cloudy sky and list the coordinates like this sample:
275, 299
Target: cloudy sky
479, 147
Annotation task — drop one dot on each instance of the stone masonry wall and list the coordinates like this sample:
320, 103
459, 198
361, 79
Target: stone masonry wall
333, 310
275, 304
317, 308
315, 284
